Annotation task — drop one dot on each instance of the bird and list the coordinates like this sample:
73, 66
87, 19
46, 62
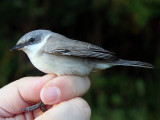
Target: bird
51, 52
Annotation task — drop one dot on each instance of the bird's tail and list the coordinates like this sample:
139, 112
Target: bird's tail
133, 63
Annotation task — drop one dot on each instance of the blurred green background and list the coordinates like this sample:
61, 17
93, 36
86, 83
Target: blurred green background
130, 28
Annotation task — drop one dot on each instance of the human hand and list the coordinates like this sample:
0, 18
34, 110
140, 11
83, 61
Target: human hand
30, 90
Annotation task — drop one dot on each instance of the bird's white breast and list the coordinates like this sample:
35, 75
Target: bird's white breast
60, 65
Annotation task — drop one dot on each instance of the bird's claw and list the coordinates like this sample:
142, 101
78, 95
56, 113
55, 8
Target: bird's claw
40, 105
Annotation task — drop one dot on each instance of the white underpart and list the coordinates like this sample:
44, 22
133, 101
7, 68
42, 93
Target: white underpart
102, 66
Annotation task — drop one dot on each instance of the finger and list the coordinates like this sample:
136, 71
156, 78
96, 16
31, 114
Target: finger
74, 109
64, 88
18, 94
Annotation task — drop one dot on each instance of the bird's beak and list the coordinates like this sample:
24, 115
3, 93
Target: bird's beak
17, 47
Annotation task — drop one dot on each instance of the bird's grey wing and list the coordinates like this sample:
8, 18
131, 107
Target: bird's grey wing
61, 45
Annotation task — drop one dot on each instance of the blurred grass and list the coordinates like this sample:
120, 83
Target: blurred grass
128, 28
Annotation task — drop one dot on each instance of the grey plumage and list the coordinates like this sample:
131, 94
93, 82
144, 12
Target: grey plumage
54, 53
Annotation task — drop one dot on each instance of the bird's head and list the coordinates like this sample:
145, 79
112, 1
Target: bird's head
32, 41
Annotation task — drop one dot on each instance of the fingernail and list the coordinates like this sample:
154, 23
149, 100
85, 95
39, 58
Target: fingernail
49, 95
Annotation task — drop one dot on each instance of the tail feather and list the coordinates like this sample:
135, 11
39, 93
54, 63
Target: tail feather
133, 63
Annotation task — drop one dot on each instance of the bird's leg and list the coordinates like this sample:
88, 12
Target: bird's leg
40, 105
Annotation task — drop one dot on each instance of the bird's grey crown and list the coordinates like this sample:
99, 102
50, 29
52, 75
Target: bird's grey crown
37, 34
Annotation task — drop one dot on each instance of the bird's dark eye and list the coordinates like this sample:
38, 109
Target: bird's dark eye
31, 40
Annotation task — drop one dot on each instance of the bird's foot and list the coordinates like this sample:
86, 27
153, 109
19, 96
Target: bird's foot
40, 105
